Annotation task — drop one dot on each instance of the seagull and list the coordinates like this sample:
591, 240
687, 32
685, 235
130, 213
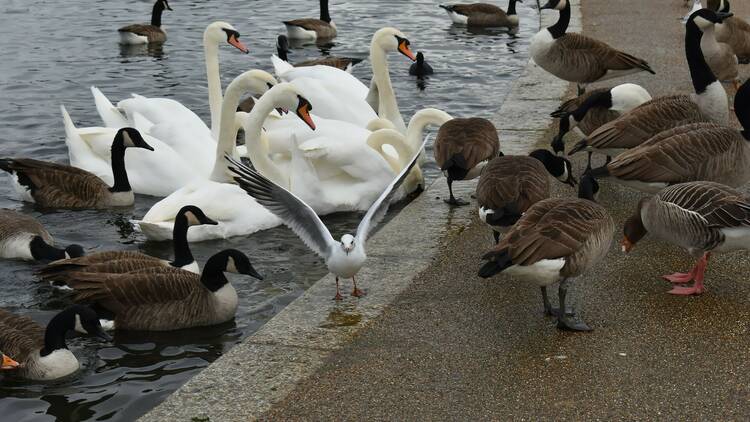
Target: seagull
343, 258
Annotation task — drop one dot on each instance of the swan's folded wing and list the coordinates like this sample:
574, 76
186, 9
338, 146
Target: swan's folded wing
296, 214
378, 209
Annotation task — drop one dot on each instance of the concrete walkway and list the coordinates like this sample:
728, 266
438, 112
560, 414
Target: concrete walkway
456, 347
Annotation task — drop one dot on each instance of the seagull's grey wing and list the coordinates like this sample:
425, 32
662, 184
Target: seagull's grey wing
380, 206
291, 210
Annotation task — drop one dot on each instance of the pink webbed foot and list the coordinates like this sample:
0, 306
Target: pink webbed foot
678, 278
696, 289
338, 297
358, 293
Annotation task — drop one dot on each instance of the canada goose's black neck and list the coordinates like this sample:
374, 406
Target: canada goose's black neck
511, 8
558, 29
122, 184
726, 7
182, 254
742, 108
281, 49
598, 99
213, 272
156, 13
54, 334
700, 73
42, 250
324, 16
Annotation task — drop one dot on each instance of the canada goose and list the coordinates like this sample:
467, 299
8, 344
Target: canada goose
555, 240
510, 184
588, 188
577, 58
421, 68
709, 103
483, 15
59, 272
734, 31
164, 299
42, 352
343, 63
463, 147
52, 185
343, 258
701, 217
719, 56
589, 111
8, 363
146, 34
312, 29
23, 237
698, 151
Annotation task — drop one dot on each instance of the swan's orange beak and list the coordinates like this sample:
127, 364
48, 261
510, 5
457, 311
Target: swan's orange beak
403, 48
303, 111
626, 244
8, 363
237, 44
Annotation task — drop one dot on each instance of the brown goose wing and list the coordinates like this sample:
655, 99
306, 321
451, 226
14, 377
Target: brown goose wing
338, 62
682, 157
19, 335
57, 185
512, 179
476, 8
322, 28
719, 205
474, 138
596, 56
153, 33
12, 223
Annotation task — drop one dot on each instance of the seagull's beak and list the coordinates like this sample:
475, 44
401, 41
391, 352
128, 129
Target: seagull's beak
8, 363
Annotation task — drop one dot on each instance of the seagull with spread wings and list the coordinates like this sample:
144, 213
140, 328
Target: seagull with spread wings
344, 258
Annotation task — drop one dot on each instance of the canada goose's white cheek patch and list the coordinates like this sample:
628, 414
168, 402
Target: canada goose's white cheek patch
128, 141
192, 219
231, 266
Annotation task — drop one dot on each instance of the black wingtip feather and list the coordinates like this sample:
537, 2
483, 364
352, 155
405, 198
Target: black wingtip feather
498, 262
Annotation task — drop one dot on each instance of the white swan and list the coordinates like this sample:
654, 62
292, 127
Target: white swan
168, 167
223, 201
339, 95
162, 110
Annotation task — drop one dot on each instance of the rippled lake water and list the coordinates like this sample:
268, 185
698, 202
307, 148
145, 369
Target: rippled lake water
52, 52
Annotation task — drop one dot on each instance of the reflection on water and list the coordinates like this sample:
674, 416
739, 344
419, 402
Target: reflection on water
77, 47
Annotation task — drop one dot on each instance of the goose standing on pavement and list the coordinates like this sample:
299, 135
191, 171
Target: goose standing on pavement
510, 184
700, 217
577, 58
708, 103
52, 185
462, 148
343, 63
343, 258
23, 237
42, 352
59, 273
586, 113
699, 151
165, 299
146, 34
720, 56
555, 240
734, 31
483, 15
312, 29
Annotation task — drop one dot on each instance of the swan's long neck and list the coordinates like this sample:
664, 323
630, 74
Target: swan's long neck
418, 123
257, 151
211, 52
387, 104
227, 132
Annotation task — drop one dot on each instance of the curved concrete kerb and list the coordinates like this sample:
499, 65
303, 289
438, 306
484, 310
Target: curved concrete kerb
245, 382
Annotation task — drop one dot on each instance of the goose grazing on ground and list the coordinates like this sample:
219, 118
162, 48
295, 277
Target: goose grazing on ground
146, 34
708, 103
52, 185
41, 352
59, 272
343, 63
421, 68
483, 15
589, 111
555, 240
700, 217
510, 184
344, 259
23, 237
462, 148
577, 58
165, 110
8, 363
698, 151
734, 31
166, 299
312, 29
